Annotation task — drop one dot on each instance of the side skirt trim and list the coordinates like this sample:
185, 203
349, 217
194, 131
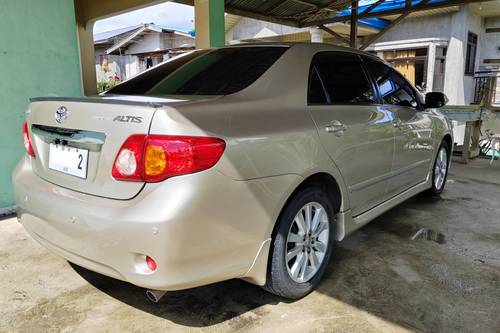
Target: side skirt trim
353, 223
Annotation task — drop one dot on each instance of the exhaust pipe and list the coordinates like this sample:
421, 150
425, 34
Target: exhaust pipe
155, 295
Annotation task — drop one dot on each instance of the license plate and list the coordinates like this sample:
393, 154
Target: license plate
69, 160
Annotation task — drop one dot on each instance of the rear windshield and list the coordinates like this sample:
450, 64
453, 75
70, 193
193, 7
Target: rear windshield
204, 72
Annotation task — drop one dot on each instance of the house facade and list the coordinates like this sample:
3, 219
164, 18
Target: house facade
443, 52
123, 53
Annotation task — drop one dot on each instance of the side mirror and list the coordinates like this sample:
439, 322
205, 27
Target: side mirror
435, 99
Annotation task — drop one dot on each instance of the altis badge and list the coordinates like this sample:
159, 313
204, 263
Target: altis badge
128, 119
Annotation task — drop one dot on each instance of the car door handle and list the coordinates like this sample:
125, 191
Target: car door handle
336, 127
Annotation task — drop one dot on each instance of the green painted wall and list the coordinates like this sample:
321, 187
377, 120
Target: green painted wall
38, 57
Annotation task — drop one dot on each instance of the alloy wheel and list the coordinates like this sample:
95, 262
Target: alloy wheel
440, 168
307, 242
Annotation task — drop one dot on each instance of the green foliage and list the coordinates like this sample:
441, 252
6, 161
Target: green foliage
105, 85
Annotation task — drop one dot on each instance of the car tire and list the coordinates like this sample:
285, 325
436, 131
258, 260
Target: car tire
298, 276
440, 169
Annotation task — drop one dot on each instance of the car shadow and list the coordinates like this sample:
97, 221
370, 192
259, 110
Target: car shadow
7, 216
382, 269
196, 307
216, 303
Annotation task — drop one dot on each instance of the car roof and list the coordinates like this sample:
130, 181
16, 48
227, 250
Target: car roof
312, 47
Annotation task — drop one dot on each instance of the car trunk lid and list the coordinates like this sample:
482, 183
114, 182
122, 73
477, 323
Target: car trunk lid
88, 134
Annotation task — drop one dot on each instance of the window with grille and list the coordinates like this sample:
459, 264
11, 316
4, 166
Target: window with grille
470, 58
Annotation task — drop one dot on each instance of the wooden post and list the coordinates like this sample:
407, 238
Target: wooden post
354, 24
466, 146
335, 35
476, 135
472, 135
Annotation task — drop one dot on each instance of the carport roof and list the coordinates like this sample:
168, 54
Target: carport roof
306, 13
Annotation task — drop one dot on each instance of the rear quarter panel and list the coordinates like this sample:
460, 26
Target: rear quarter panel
267, 128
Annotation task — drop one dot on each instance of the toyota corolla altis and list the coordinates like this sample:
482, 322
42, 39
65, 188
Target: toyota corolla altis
240, 162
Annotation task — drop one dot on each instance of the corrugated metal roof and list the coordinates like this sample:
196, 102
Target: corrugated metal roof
305, 13
294, 10
438, 11
230, 21
106, 35
113, 34
430, 12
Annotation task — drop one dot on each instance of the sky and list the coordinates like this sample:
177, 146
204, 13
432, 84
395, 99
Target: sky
169, 14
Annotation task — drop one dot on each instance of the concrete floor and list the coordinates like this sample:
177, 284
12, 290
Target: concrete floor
379, 280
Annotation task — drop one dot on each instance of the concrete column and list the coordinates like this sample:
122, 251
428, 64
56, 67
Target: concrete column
87, 57
455, 59
431, 62
209, 23
316, 35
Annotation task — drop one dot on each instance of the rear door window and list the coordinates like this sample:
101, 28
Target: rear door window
343, 78
317, 93
394, 89
218, 72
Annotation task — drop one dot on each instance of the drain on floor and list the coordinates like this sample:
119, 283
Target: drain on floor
430, 235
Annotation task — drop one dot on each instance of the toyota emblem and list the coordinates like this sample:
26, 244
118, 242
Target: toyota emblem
61, 114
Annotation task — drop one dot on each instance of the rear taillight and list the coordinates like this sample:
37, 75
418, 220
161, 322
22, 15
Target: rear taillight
27, 140
153, 158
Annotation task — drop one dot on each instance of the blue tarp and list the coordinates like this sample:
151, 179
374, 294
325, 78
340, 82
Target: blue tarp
388, 5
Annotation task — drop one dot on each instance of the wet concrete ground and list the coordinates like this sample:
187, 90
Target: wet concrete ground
447, 279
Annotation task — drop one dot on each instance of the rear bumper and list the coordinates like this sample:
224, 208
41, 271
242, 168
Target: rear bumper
199, 228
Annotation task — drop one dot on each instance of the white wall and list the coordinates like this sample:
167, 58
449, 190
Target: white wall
155, 41
490, 42
457, 86
169, 40
150, 42
248, 28
454, 27
436, 26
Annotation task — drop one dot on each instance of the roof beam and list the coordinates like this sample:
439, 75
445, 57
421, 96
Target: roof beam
374, 38
124, 40
418, 7
258, 16
332, 6
335, 34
